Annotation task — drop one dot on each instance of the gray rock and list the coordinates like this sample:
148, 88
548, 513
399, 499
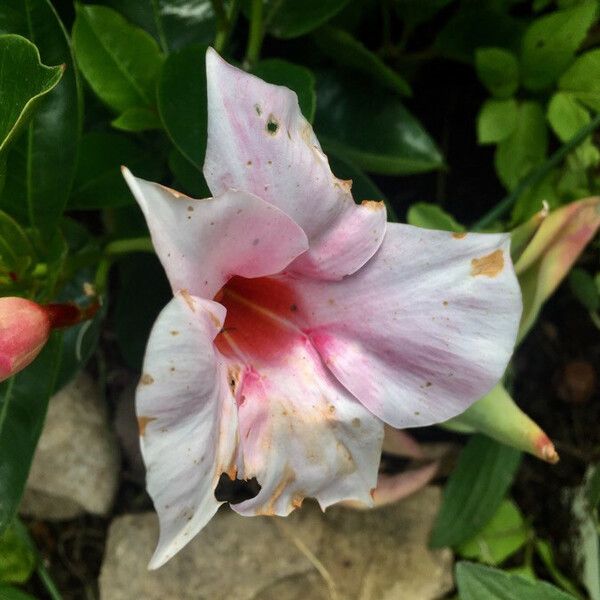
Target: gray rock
343, 554
76, 465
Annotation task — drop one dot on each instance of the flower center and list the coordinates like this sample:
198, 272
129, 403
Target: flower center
261, 319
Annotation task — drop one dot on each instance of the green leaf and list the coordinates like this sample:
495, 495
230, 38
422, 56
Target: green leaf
525, 148
583, 286
363, 187
137, 119
581, 79
41, 164
24, 80
23, 403
501, 537
476, 582
288, 19
566, 115
17, 555
120, 61
347, 51
182, 102
498, 70
497, 120
371, 127
7, 592
297, 78
413, 12
550, 43
98, 181
188, 178
16, 251
475, 490
544, 551
432, 216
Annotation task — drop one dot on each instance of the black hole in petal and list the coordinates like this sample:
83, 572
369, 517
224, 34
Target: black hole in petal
236, 490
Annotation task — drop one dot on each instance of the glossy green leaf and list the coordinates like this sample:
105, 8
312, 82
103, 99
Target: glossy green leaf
497, 120
550, 43
566, 115
501, 537
23, 403
477, 582
347, 51
24, 80
297, 78
120, 62
17, 555
188, 179
525, 148
581, 79
182, 102
137, 119
173, 23
498, 70
432, 216
475, 490
8, 592
583, 286
16, 251
41, 164
289, 18
371, 127
98, 181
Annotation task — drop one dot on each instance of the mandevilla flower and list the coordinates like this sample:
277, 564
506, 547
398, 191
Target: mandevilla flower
301, 322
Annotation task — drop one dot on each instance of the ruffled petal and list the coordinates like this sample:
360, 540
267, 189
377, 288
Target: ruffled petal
187, 420
424, 329
258, 141
202, 243
302, 435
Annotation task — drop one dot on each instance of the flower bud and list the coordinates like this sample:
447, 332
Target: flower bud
24, 329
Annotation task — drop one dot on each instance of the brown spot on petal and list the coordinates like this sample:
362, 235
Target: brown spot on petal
188, 299
373, 204
297, 500
272, 125
174, 332
190, 209
215, 321
286, 480
459, 235
143, 423
489, 265
146, 379
356, 422
233, 378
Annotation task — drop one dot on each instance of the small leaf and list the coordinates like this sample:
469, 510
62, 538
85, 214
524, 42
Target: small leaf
476, 582
584, 289
182, 103
497, 120
475, 490
432, 216
16, 251
347, 51
502, 536
550, 43
98, 181
498, 70
297, 78
137, 119
566, 115
371, 127
120, 61
288, 19
525, 148
24, 80
581, 79
17, 555
23, 402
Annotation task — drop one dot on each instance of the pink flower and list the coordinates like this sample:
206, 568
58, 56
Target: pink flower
24, 329
301, 322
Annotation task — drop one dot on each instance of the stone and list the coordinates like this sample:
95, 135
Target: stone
343, 554
76, 464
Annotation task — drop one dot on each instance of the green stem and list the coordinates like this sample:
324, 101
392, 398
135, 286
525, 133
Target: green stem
536, 175
224, 31
47, 581
255, 36
119, 247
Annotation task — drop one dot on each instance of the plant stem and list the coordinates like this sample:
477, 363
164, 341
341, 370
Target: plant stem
223, 32
47, 581
255, 36
537, 175
119, 247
